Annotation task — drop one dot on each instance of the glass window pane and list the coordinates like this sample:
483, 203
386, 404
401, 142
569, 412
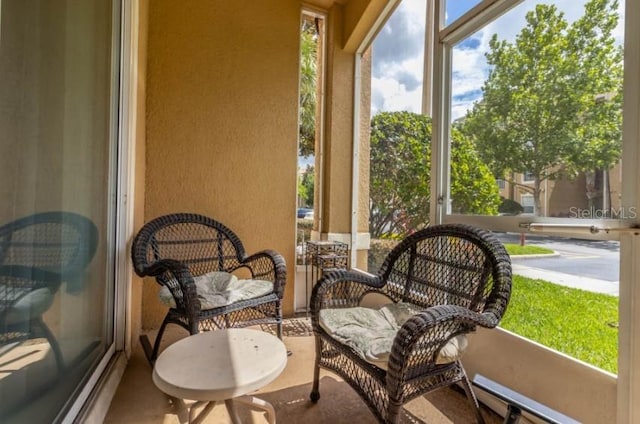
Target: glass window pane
565, 295
399, 135
536, 118
56, 211
536, 101
456, 8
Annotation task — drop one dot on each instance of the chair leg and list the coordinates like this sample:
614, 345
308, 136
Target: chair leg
393, 412
55, 347
472, 398
156, 344
279, 315
315, 390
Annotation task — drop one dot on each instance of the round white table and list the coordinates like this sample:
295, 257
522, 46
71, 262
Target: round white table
221, 365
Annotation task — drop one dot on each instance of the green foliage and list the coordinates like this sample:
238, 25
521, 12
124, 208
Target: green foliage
399, 183
473, 187
308, 87
578, 323
542, 109
304, 231
306, 187
378, 251
509, 206
516, 249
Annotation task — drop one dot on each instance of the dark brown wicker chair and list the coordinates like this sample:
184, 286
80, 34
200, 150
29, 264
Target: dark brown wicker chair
178, 247
456, 276
37, 254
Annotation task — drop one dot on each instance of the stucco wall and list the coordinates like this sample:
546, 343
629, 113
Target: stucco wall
338, 142
222, 84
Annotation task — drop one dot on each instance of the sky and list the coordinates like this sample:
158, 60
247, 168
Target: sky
398, 53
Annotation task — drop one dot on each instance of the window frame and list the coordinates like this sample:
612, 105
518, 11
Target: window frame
444, 38
125, 22
627, 387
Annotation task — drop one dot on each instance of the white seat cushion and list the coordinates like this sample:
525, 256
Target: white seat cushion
217, 289
32, 305
370, 332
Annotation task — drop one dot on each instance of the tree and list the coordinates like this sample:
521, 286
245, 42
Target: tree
307, 106
305, 187
399, 183
308, 87
473, 187
541, 110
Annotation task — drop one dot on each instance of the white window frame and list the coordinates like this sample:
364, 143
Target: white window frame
125, 37
628, 383
319, 170
444, 39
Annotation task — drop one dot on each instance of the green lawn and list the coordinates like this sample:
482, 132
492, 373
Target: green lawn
516, 249
578, 323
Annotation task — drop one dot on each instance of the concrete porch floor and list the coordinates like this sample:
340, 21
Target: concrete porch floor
138, 401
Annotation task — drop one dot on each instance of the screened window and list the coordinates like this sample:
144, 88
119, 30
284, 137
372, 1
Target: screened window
534, 92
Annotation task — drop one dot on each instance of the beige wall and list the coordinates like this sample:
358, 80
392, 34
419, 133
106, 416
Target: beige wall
222, 84
564, 196
364, 156
338, 146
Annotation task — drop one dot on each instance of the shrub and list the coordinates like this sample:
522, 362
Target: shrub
510, 207
379, 250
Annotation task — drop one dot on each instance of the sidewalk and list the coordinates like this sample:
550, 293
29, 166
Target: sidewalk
568, 280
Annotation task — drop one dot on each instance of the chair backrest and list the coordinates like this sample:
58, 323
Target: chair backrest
201, 243
450, 264
43, 250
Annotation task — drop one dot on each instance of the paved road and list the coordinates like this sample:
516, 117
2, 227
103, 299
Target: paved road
591, 265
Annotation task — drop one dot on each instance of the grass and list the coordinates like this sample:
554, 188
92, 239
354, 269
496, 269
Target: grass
516, 249
578, 323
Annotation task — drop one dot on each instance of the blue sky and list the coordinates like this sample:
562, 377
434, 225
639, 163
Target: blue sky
398, 52
457, 8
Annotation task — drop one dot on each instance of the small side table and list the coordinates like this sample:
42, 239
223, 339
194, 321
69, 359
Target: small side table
221, 365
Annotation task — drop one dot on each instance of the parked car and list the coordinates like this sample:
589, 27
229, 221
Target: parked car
308, 215
303, 211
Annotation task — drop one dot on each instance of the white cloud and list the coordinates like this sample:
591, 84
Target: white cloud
389, 95
398, 53
397, 60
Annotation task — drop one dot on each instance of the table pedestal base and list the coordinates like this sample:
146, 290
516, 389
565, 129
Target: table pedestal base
246, 399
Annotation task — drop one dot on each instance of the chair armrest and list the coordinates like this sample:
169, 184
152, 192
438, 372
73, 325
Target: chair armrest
157, 268
19, 280
184, 293
341, 289
421, 337
268, 265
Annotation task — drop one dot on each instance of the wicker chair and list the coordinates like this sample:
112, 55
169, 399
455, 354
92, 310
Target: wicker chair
37, 254
176, 249
455, 277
